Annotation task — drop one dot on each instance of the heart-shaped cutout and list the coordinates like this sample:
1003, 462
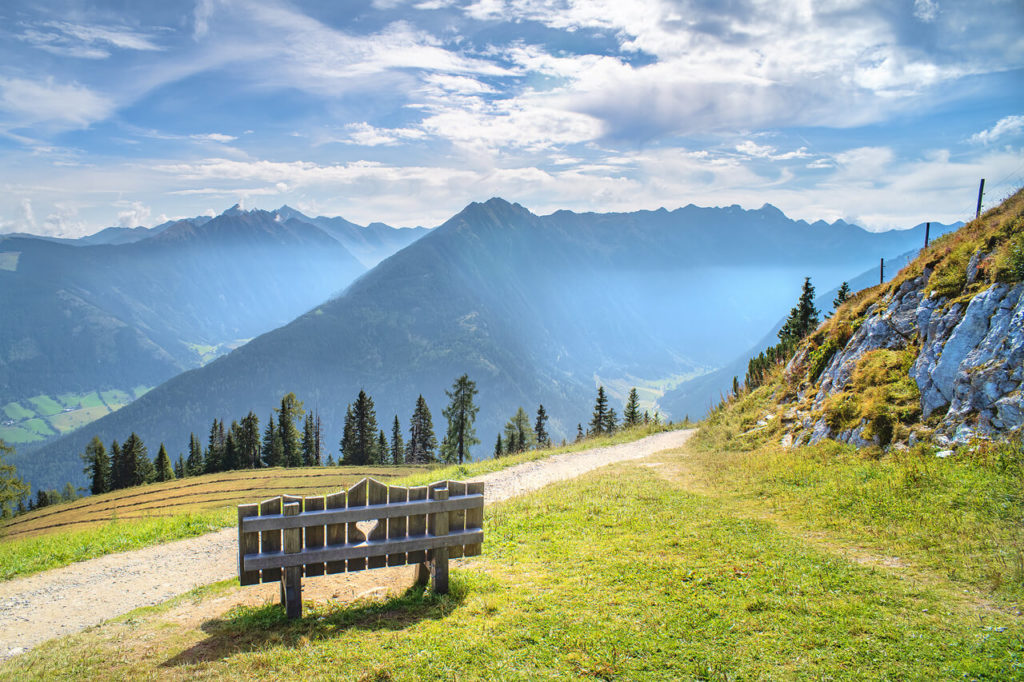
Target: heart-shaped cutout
366, 528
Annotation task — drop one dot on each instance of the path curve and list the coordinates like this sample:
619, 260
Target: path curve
66, 600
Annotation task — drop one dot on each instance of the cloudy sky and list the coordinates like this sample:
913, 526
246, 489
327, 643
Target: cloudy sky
884, 113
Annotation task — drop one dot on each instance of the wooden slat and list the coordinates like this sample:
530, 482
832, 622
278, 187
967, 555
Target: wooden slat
248, 543
397, 524
291, 581
417, 525
363, 549
457, 518
336, 531
270, 540
356, 498
377, 494
363, 513
474, 517
313, 537
438, 528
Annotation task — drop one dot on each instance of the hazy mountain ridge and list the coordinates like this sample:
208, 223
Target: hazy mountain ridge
532, 307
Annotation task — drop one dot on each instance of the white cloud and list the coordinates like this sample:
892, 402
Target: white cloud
1004, 127
214, 137
367, 135
88, 41
926, 10
29, 102
138, 214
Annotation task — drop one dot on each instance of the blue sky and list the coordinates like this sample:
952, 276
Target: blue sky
882, 113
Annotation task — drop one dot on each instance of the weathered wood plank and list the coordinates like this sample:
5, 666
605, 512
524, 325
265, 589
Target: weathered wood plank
270, 541
362, 549
313, 538
456, 518
248, 543
438, 527
363, 513
291, 580
474, 517
356, 498
336, 531
377, 494
397, 524
417, 524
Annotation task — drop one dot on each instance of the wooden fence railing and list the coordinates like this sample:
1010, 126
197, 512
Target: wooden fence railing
286, 538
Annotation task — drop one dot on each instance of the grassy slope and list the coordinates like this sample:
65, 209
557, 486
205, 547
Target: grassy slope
622, 574
41, 417
137, 517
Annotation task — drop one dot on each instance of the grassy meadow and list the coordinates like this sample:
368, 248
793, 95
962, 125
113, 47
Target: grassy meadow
40, 417
644, 570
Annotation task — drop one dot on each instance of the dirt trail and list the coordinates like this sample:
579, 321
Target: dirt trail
65, 600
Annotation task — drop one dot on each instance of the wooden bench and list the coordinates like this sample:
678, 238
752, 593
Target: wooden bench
286, 538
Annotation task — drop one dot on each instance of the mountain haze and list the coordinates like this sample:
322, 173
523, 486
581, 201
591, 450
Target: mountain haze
535, 309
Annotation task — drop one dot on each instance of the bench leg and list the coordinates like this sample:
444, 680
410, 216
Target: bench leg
291, 591
422, 573
439, 571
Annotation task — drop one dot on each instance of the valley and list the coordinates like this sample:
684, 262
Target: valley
42, 417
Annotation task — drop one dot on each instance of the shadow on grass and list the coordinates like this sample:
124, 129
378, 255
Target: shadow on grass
247, 628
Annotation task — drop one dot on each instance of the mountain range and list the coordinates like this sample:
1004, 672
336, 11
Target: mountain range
536, 309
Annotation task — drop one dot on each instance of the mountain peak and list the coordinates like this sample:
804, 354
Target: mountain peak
235, 210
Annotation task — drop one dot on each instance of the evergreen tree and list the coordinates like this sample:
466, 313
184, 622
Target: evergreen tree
519, 435
348, 434
215, 448
164, 471
117, 468
248, 442
363, 435
382, 448
631, 415
647, 417
273, 448
194, 464
12, 489
310, 451
422, 442
600, 416
179, 467
232, 458
611, 421
803, 319
397, 444
288, 415
579, 432
138, 466
97, 466
461, 415
318, 441
330, 460
499, 449
540, 429
841, 295
736, 387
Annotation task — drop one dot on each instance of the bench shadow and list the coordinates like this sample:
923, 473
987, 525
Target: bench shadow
247, 628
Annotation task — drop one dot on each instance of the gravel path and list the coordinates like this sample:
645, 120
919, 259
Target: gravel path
65, 600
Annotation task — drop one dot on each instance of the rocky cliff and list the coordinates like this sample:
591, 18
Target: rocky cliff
936, 354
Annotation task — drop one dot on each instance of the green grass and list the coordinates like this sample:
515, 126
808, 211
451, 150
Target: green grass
38, 426
45, 405
141, 390
163, 512
116, 398
622, 574
16, 411
9, 260
69, 421
16, 435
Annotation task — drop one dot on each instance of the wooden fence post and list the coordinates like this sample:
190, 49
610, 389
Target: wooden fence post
439, 528
248, 543
336, 531
418, 526
291, 578
474, 517
270, 540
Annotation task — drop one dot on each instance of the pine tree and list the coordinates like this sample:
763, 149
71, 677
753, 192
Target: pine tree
232, 458
579, 432
179, 467
611, 421
600, 416
330, 460
736, 387
348, 435
841, 295
117, 472
631, 415
215, 448
12, 489
382, 448
138, 466
97, 466
362, 435
422, 442
311, 441
288, 415
194, 464
248, 442
803, 319
397, 445
540, 430
164, 471
519, 435
273, 448
461, 415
